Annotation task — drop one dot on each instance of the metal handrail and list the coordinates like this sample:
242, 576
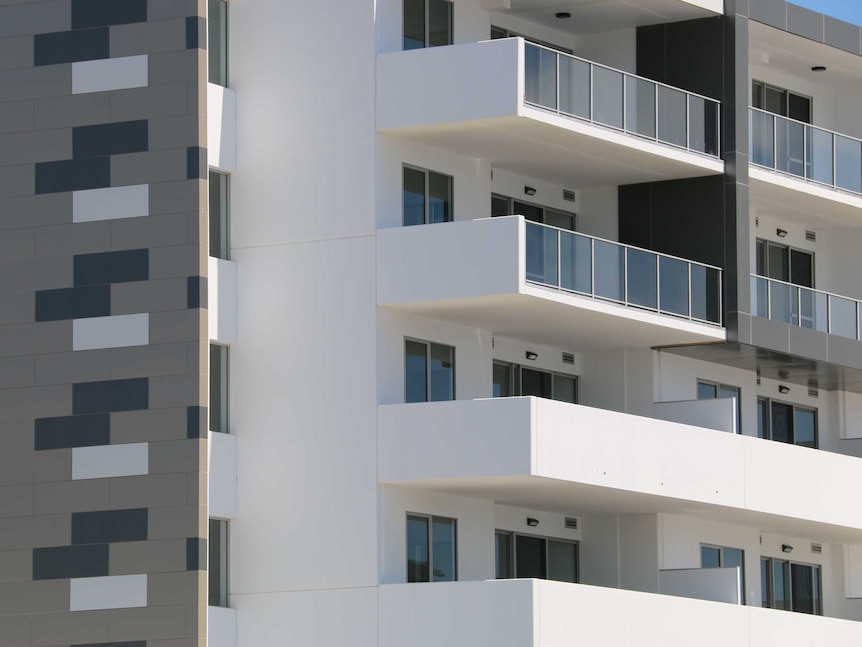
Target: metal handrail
799, 289
627, 299
804, 123
656, 101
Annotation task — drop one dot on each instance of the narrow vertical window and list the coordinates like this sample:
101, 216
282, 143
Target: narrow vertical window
431, 549
427, 197
218, 388
218, 563
503, 555
416, 371
219, 206
217, 41
427, 23
429, 372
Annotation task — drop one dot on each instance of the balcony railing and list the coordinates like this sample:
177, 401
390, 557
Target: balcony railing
574, 87
808, 152
627, 275
800, 306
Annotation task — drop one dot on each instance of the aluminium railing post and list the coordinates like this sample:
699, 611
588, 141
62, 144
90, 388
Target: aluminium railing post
806, 171
625, 275
834, 161
559, 260
625, 111
655, 106
592, 92
690, 309
687, 121
718, 143
592, 267
768, 299
720, 277
775, 142
557, 67
829, 313
657, 283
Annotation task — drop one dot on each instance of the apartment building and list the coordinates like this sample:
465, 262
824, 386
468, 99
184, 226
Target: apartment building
575, 357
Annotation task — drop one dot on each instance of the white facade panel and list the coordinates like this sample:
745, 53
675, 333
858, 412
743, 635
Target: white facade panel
115, 592
110, 461
222, 475
221, 127
222, 300
110, 74
114, 202
111, 332
221, 627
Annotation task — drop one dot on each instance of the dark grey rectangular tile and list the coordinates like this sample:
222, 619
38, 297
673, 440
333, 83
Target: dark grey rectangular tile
61, 562
73, 175
109, 526
195, 32
100, 13
197, 422
73, 303
197, 292
112, 267
71, 46
196, 163
73, 431
112, 395
804, 22
196, 557
110, 139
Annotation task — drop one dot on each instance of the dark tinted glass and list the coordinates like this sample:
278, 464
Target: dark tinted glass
415, 371
706, 391
442, 373
765, 583
564, 388
782, 419
417, 549
439, 197
529, 211
218, 567
503, 555
502, 380
780, 585
500, 206
775, 101
710, 557
805, 427
562, 561
799, 108
218, 207
218, 388
762, 419
803, 590
439, 23
777, 262
530, 557
414, 197
757, 95
217, 44
536, 383
760, 254
414, 24
443, 559
801, 268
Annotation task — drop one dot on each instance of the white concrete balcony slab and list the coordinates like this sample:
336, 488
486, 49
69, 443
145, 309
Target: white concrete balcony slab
545, 114
528, 281
547, 455
536, 613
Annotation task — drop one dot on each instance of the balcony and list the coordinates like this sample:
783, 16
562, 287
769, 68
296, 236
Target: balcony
541, 454
541, 113
805, 307
536, 613
528, 281
812, 160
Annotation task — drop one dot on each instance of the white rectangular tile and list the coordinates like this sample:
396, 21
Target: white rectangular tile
107, 461
111, 203
110, 74
114, 592
111, 332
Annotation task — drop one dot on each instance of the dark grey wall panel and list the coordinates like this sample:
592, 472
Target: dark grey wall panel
72, 431
113, 395
109, 526
196, 163
196, 29
112, 267
71, 46
73, 175
62, 562
110, 139
197, 422
197, 291
73, 303
99, 13
196, 555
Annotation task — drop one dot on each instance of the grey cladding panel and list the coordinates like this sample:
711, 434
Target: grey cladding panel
71, 46
60, 562
113, 395
72, 431
109, 526
110, 139
100, 13
112, 267
73, 175
73, 303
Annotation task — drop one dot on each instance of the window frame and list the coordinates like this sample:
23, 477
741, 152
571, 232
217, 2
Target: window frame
427, 195
226, 44
513, 559
430, 542
718, 387
223, 387
516, 380
511, 208
223, 526
763, 85
426, 37
765, 244
508, 33
769, 585
428, 345
225, 238
721, 563
767, 409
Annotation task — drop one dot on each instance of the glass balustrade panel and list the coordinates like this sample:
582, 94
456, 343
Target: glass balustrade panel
762, 139
641, 279
702, 125
812, 310
609, 270
541, 254
848, 164
790, 147
842, 317
705, 293
540, 77
607, 97
574, 87
576, 262
783, 302
640, 106
673, 287
672, 116
820, 155
759, 296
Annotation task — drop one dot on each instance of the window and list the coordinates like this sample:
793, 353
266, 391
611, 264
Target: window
531, 556
219, 206
723, 557
500, 32
218, 388
427, 23
218, 563
514, 379
790, 586
786, 423
431, 549
784, 263
710, 391
429, 371
217, 41
780, 101
503, 206
427, 197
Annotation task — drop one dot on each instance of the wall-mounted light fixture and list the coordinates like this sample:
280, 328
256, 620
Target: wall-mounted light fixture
532, 522
565, 15
781, 233
529, 190
531, 355
818, 68
783, 390
786, 548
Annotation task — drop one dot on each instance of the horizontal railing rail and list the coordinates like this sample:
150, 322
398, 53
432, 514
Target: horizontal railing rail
805, 307
805, 151
611, 271
578, 88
